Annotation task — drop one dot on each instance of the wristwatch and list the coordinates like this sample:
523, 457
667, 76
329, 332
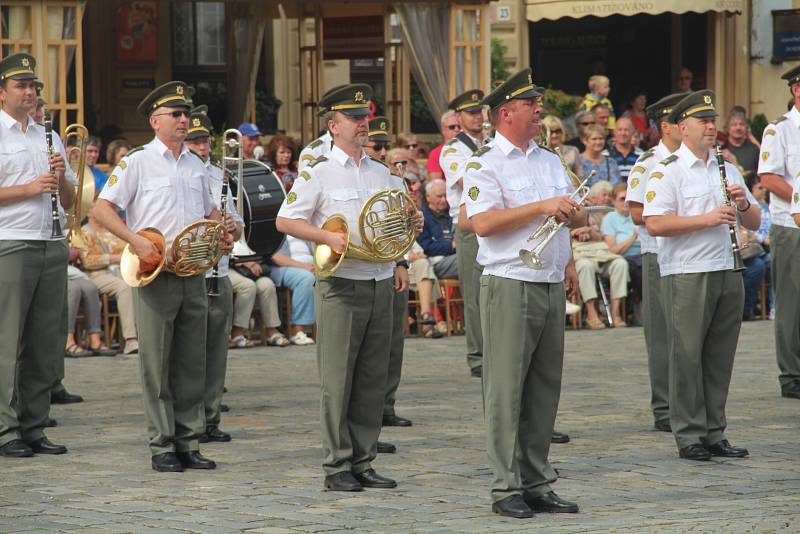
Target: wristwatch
402, 263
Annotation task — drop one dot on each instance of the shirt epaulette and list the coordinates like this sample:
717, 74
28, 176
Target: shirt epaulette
317, 161
647, 154
216, 164
134, 151
779, 119
377, 160
196, 154
669, 159
547, 148
452, 141
482, 150
314, 144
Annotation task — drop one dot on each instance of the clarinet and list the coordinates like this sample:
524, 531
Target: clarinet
54, 196
738, 263
213, 280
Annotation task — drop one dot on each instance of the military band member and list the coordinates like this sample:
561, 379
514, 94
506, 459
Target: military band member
355, 305
220, 307
33, 265
166, 186
655, 329
703, 296
376, 148
512, 185
778, 167
323, 144
469, 111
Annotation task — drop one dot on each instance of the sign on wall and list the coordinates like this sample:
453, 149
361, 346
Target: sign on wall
137, 31
785, 34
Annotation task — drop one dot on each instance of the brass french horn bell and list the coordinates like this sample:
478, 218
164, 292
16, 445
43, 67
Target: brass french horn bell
133, 272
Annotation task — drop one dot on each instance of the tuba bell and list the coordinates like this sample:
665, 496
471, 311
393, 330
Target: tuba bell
384, 225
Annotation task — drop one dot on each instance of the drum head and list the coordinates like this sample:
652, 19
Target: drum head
264, 195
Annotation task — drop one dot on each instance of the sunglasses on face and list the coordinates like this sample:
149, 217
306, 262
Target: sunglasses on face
175, 114
453, 127
411, 146
582, 123
380, 146
557, 131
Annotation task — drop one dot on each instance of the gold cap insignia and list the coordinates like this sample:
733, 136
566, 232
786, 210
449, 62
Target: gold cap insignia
707, 99
530, 78
634, 183
291, 197
650, 196
179, 90
473, 193
359, 96
195, 122
765, 156
474, 97
26, 62
383, 126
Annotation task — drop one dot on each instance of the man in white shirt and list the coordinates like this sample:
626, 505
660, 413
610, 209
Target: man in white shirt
220, 293
354, 305
33, 265
164, 185
655, 328
453, 160
778, 167
703, 296
512, 186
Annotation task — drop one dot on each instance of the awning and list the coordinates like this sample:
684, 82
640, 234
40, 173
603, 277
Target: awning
555, 9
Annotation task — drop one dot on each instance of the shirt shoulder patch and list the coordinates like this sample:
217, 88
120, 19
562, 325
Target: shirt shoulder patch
671, 158
482, 150
314, 144
317, 161
448, 150
647, 154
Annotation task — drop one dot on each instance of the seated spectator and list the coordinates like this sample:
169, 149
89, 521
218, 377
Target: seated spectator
294, 269
619, 233
422, 279
449, 128
757, 258
93, 146
569, 153
740, 145
622, 150
100, 252
80, 288
645, 128
602, 118
250, 280
599, 88
436, 238
117, 149
593, 159
282, 158
583, 119
402, 164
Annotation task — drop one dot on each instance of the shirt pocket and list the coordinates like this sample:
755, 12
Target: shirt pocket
13, 157
157, 192
698, 199
520, 190
346, 202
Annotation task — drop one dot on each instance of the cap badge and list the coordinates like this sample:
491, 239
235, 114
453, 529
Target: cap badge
179, 90
195, 123
383, 126
474, 97
530, 78
26, 62
359, 96
707, 99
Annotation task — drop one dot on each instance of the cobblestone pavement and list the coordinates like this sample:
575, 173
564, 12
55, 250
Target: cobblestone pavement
625, 476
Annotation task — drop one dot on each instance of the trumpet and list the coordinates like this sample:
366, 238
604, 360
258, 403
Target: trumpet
385, 227
549, 228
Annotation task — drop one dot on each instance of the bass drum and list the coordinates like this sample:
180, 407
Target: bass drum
264, 194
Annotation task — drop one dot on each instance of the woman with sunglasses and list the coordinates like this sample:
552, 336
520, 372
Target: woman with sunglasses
569, 153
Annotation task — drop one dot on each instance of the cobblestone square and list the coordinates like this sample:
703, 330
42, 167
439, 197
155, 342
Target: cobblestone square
625, 476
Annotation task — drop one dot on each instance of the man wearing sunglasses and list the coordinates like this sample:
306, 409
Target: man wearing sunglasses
450, 128
583, 119
469, 112
166, 186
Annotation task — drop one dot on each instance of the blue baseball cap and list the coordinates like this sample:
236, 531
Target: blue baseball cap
249, 129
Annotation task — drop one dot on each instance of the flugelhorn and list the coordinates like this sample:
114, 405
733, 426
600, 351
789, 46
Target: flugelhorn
385, 226
76, 137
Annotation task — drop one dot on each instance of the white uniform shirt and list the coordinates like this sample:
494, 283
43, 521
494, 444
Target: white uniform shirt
316, 148
215, 182
505, 177
452, 159
687, 187
338, 185
157, 190
637, 187
24, 157
780, 154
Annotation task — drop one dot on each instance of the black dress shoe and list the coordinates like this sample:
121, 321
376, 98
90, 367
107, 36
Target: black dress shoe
64, 397
394, 420
550, 502
386, 448
663, 426
344, 481
725, 449
224, 408
166, 463
695, 451
213, 433
791, 390
512, 506
16, 448
195, 460
45, 446
50, 422
476, 372
558, 437
371, 479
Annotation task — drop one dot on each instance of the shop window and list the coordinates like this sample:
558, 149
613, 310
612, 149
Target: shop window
198, 34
